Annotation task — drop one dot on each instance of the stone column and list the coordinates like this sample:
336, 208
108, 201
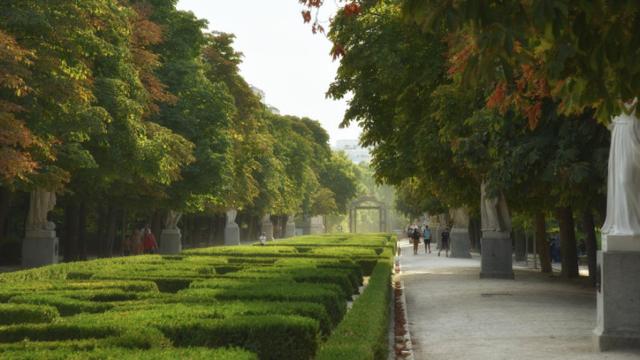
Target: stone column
231, 229
496, 259
40, 245
316, 225
459, 236
266, 226
618, 294
171, 237
290, 228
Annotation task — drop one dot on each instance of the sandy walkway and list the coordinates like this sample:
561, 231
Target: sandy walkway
455, 315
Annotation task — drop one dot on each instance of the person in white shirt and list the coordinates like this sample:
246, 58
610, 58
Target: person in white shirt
263, 239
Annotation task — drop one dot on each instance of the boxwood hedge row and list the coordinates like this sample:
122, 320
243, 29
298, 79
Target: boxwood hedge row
362, 335
281, 301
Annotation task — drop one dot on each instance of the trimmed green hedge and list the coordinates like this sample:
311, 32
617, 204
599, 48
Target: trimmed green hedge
114, 353
54, 332
362, 335
331, 299
26, 313
276, 301
66, 306
271, 337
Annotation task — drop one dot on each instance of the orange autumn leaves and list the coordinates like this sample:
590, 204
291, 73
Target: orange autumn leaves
524, 92
352, 8
16, 161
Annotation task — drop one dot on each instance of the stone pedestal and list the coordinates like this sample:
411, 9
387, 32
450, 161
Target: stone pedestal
618, 295
170, 241
232, 234
459, 243
266, 226
316, 225
39, 248
496, 259
290, 227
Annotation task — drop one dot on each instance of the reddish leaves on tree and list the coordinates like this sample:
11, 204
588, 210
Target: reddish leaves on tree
317, 28
337, 51
306, 16
458, 59
147, 34
352, 9
497, 98
311, 3
16, 140
533, 113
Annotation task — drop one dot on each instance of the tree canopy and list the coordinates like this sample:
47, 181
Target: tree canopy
131, 108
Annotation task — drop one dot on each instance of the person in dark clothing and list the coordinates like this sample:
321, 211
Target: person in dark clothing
415, 238
444, 238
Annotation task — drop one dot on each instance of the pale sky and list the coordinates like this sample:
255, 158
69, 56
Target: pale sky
281, 56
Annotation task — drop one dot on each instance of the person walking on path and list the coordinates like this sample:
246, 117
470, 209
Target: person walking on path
149, 243
445, 242
426, 234
415, 238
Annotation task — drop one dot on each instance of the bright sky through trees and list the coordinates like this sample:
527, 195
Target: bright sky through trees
281, 55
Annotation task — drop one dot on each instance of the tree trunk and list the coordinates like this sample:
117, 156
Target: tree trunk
278, 224
6, 196
212, 230
568, 246
112, 219
82, 231
72, 230
588, 227
157, 222
108, 223
101, 231
542, 245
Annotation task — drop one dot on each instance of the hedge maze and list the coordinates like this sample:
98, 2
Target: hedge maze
286, 300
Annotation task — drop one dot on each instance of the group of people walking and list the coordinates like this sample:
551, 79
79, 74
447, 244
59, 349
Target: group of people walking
141, 241
417, 234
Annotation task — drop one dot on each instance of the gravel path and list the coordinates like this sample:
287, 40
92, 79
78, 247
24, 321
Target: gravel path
453, 314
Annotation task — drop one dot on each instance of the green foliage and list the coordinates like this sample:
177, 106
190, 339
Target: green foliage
66, 306
25, 313
581, 50
271, 337
364, 331
106, 353
482, 95
274, 301
398, 100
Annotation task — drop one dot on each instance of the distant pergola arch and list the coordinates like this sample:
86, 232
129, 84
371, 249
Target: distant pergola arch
367, 202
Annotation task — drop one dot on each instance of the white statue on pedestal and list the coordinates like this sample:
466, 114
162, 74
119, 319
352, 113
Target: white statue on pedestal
41, 202
172, 219
494, 212
623, 185
231, 217
460, 217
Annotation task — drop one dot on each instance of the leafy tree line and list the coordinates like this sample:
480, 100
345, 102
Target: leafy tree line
514, 94
130, 108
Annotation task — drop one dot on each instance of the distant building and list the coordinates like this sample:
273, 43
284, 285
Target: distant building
354, 151
261, 94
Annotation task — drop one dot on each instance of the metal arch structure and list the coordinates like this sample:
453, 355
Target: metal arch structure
362, 203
